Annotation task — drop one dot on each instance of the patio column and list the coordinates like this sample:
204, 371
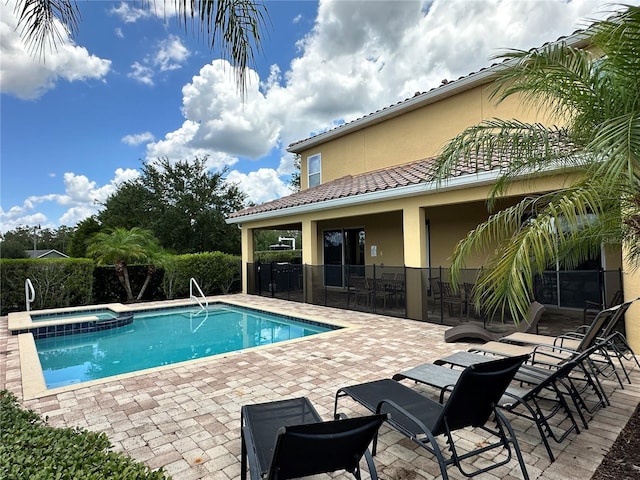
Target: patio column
631, 286
310, 256
247, 257
415, 258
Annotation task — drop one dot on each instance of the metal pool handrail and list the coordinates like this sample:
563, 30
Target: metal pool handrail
193, 284
29, 293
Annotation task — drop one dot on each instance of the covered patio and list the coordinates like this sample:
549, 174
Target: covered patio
186, 419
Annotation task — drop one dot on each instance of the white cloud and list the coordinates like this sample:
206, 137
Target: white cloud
131, 12
81, 198
141, 73
119, 33
28, 77
216, 120
170, 54
360, 56
138, 138
260, 186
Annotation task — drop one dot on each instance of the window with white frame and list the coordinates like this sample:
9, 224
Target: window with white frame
313, 168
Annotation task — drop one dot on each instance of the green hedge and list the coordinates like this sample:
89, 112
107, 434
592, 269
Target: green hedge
32, 450
268, 256
62, 282
215, 272
72, 282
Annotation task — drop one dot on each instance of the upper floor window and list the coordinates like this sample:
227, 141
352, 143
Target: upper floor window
313, 167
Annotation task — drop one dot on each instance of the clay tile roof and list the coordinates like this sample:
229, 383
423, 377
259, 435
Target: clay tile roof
408, 174
413, 173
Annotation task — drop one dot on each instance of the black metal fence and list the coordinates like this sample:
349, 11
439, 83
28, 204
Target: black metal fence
385, 289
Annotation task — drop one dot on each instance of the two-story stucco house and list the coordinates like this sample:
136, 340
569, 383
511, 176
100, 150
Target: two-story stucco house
368, 200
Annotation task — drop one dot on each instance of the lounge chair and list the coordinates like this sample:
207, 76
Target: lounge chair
591, 309
472, 403
529, 390
288, 439
451, 297
473, 331
534, 374
555, 355
615, 342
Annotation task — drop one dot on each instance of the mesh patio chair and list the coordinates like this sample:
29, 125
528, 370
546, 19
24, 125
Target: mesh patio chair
591, 309
451, 298
540, 394
359, 288
288, 439
472, 402
614, 341
473, 331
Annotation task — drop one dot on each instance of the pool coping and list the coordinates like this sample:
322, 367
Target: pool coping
34, 385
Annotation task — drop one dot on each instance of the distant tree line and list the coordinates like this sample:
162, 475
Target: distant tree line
182, 204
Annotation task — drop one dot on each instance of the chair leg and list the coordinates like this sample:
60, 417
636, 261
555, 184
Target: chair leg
435, 449
373, 473
502, 421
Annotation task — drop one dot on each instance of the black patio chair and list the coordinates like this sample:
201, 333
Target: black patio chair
288, 439
472, 402
540, 393
591, 309
557, 350
451, 297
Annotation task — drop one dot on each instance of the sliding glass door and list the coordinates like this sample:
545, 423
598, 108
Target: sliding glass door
344, 246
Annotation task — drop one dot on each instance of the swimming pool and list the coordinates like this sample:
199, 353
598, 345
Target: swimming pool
163, 337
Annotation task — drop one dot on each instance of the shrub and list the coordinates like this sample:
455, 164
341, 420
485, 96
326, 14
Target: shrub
60, 282
30, 449
268, 256
215, 272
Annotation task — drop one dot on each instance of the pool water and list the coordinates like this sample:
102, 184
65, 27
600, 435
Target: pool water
161, 338
102, 314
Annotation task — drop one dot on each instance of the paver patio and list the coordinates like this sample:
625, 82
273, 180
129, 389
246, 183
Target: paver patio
187, 418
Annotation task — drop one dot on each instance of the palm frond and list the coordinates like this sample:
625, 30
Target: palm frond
234, 26
45, 24
517, 149
556, 78
619, 39
557, 231
617, 143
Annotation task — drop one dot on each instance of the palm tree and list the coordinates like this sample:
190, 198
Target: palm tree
121, 247
596, 99
233, 25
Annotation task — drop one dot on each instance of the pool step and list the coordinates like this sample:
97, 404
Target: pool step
120, 321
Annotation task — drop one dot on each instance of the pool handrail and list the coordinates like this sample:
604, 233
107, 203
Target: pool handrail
193, 283
29, 293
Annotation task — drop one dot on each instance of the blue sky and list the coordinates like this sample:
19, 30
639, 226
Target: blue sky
133, 86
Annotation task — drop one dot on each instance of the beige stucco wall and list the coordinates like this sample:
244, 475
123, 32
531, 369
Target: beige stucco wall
631, 280
412, 136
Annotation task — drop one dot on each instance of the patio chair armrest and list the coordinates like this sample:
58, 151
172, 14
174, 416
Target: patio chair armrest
552, 351
590, 305
444, 390
403, 413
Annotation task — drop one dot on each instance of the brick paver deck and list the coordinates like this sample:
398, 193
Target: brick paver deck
187, 419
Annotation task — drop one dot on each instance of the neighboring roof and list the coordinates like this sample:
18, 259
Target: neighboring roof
50, 253
363, 187
420, 99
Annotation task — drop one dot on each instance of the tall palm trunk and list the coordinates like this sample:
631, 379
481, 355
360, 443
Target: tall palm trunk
151, 270
123, 276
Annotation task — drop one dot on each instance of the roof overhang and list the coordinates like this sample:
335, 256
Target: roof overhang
426, 188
